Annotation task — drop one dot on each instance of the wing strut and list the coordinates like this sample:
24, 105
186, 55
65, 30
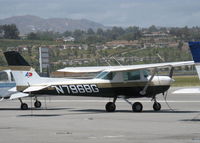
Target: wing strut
171, 72
143, 92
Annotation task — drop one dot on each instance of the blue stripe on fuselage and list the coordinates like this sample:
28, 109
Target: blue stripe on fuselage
3, 85
195, 50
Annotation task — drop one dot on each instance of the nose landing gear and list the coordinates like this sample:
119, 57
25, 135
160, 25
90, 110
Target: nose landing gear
156, 106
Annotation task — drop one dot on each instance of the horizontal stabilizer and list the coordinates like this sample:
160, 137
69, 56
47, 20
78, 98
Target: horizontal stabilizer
187, 91
14, 89
18, 95
35, 88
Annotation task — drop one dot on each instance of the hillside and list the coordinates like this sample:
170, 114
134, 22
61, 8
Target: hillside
29, 23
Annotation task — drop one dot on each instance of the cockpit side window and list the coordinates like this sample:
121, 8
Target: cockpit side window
132, 75
3, 76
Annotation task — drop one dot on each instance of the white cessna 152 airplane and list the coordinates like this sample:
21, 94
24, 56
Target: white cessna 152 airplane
125, 82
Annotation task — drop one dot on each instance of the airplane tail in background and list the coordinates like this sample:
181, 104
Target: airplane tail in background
195, 50
23, 74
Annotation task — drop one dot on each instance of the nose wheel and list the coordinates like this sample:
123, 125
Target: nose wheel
156, 106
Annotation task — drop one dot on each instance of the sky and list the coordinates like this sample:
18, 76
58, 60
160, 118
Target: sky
142, 13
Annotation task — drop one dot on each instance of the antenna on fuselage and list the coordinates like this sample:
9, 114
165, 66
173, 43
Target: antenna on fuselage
117, 61
159, 56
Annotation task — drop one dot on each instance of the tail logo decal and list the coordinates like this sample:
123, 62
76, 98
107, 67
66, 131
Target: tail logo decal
28, 74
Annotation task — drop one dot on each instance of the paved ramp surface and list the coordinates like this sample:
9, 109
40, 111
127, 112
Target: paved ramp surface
79, 119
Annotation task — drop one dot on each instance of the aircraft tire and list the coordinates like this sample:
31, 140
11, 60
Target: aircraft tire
156, 106
24, 106
37, 104
110, 107
137, 107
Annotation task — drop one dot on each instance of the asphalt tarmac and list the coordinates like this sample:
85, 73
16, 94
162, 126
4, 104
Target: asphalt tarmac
84, 119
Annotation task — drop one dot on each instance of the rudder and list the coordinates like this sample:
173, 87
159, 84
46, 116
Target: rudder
195, 51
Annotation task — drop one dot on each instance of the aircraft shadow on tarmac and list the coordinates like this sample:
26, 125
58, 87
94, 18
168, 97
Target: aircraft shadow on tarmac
191, 120
39, 115
32, 112
34, 109
98, 110
129, 111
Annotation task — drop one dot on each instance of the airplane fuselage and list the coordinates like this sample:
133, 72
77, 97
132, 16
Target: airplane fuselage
105, 88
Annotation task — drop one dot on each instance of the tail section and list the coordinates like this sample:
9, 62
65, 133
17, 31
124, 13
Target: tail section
195, 50
15, 59
23, 74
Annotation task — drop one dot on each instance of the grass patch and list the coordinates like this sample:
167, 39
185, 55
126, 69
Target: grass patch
186, 81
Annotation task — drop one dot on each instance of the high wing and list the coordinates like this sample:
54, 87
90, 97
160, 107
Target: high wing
124, 68
84, 69
149, 66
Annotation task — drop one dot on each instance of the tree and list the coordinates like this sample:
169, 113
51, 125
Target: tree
33, 36
152, 29
90, 31
78, 34
1, 32
100, 32
132, 33
116, 32
67, 33
10, 31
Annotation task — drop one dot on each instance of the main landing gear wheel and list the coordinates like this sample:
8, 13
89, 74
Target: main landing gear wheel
110, 107
156, 106
37, 104
24, 106
137, 107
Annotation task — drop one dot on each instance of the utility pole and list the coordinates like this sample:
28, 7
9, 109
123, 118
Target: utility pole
44, 59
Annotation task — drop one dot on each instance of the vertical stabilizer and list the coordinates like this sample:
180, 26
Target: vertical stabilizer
23, 74
195, 50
